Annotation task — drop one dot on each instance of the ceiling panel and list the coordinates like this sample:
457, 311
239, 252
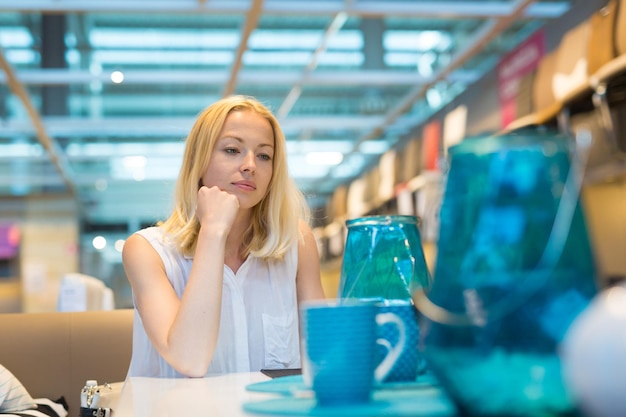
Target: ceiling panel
354, 76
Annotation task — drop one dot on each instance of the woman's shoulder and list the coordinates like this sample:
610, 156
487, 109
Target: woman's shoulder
157, 237
306, 235
152, 232
304, 228
161, 242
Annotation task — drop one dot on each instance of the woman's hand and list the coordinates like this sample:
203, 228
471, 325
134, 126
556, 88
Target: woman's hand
216, 208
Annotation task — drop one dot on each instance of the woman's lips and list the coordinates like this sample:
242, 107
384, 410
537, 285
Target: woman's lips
245, 185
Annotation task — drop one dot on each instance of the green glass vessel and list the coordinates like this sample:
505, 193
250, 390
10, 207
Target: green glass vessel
514, 268
383, 258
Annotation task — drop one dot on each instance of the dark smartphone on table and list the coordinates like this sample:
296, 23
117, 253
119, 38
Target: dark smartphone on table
275, 373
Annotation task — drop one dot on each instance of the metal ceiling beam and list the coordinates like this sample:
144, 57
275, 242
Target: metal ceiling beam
252, 20
358, 78
293, 95
491, 29
56, 155
485, 34
443, 9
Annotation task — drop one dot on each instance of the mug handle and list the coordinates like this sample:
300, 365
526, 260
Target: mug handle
394, 353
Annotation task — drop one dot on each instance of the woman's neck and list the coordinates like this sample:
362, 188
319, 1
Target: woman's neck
235, 240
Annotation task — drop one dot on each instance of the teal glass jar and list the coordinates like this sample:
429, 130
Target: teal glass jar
383, 257
514, 268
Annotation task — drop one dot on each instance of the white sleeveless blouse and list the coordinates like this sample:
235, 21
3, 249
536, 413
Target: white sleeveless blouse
259, 321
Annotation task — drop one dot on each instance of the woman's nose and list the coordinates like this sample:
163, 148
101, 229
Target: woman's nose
248, 162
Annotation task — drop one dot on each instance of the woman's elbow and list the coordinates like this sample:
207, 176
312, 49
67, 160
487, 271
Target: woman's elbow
195, 369
190, 359
192, 365
195, 373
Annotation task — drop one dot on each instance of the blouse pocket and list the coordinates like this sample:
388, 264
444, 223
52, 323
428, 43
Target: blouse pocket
281, 342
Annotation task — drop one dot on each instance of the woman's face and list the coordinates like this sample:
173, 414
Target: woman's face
242, 160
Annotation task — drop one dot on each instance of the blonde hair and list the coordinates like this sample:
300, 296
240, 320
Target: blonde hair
275, 220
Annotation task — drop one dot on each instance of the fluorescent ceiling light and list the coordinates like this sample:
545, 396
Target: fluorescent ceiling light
139, 57
324, 158
308, 146
117, 77
175, 150
158, 168
401, 59
300, 169
119, 245
21, 56
424, 61
72, 56
99, 242
20, 150
420, 41
434, 98
134, 161
15, 37
374, 147
351, 167
304, 39
303, 58
370, 147
110, 38
181, 58
160, 39
106, 150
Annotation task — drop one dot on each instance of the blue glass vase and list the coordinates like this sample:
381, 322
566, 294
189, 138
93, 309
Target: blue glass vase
383, 258
514, 268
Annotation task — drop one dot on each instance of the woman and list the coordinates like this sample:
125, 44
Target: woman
216, 287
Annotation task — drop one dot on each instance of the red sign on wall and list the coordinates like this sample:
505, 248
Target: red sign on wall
513, 66
430, 145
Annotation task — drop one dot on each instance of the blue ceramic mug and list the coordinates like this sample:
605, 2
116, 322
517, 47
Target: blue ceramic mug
410, 362
339, 349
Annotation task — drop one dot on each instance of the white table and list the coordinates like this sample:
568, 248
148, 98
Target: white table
218, 396
225, 395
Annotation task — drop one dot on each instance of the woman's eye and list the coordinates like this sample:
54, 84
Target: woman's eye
231, 150
265, 157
